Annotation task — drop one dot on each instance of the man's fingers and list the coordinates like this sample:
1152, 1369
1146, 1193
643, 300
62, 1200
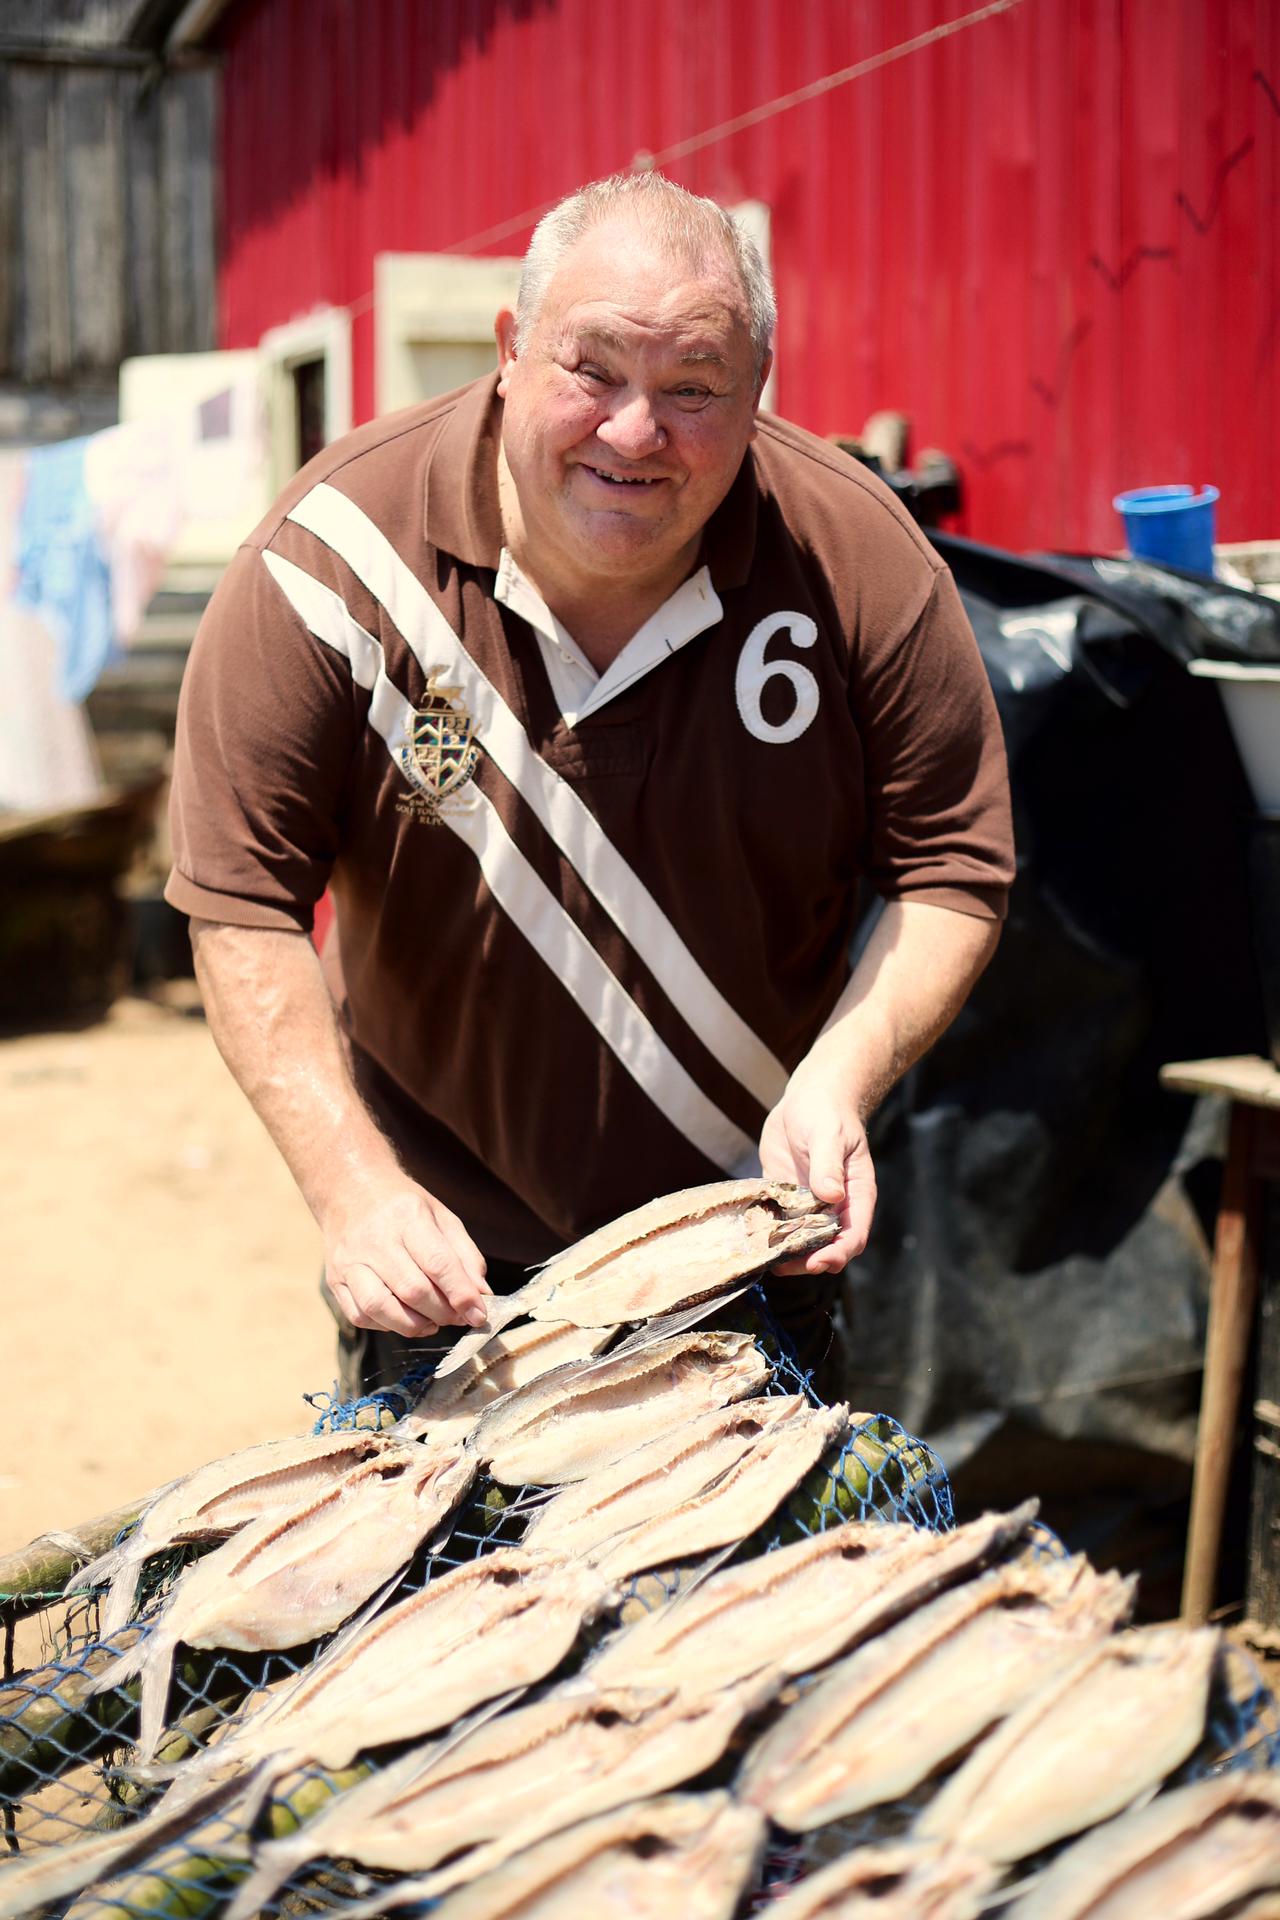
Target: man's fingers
857, 1209
368, 1301
829, 1157
454, 1277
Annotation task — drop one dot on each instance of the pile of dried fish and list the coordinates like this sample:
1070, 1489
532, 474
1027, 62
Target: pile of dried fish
514, 1743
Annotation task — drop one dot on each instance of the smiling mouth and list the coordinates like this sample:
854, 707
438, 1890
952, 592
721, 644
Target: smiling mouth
622, 479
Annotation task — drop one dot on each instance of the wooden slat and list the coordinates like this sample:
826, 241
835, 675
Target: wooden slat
1262, 1572
29, 90
57, 235
1231, 1301
146, 321
95, 232
106, 219
9, 225
1245, 1077
175, 220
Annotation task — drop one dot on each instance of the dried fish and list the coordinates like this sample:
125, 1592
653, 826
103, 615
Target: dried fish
218, 1499
479, 1799
578, 1419
286, 1579
503, 1363
904, 1882
880, 1721
498, 1623
1202, 1852
669, 1485
688, 1854
684, 1247
1115, 1723
797, 1608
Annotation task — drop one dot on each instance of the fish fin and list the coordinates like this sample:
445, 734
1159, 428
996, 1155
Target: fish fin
670, 1324
124, 1667
97, 1572
117, 1607
157, 1673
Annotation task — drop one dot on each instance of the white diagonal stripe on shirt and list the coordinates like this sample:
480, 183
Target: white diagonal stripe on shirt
344, 527
519, 889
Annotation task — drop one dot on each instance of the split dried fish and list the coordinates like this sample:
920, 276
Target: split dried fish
707, 1483
218, 1499
501, 1622
1114, 1724
684, 1247
287, 1579
796, 1608
504, 1363
1202, 1852
689, 1854
884, 1718
578, 1419
902, 1882
481, 1798
497, 1623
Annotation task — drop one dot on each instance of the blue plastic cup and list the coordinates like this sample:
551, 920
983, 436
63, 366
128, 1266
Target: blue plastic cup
1171, 525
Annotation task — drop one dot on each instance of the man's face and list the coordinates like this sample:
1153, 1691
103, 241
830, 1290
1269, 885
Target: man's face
629, 410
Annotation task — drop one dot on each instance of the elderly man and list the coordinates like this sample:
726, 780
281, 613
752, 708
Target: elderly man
592, 696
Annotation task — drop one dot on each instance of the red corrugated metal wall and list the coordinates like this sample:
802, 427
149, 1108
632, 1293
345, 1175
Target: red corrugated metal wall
1050, 237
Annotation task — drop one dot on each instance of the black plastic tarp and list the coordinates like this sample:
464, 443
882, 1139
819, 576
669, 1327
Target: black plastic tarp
1033, 1298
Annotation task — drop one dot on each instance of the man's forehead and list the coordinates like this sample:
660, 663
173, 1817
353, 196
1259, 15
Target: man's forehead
619, 273
688, 348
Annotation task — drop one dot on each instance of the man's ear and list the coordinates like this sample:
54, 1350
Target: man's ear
504, 328
765, 366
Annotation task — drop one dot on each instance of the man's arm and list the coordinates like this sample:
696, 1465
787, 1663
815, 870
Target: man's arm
910, 982
395, 1258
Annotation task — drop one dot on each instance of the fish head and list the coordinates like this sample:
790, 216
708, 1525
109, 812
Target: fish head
801, 1223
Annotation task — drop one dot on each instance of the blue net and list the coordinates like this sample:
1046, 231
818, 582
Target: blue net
64, 1753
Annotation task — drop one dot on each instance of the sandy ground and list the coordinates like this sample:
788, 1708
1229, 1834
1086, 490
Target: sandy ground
160, 1269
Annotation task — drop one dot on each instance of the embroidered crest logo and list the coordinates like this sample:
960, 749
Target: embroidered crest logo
441, 755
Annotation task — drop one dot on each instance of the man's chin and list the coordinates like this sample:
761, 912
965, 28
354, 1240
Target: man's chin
619, 533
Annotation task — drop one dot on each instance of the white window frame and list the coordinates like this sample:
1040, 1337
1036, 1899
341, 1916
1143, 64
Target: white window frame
323, 334
433, 299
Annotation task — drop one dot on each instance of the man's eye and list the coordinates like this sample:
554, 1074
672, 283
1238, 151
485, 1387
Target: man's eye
595, 374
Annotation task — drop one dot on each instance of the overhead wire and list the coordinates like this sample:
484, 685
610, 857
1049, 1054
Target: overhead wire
645, 160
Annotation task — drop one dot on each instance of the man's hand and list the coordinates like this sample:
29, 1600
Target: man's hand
909, 984
398, 1260
395, 1257
816, 1138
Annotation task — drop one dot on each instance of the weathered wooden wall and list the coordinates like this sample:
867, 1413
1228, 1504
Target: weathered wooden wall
106, 221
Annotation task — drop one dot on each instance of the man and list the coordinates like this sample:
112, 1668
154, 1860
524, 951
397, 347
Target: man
593, 698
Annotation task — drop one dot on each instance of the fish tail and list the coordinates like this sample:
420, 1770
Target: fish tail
124, 1667
117, 1571
156, 1668
57, 1872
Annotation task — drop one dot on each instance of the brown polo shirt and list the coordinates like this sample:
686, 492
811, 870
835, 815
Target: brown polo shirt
578, 947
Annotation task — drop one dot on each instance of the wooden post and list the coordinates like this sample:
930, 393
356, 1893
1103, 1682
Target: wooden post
1233, 1289
1262, 1573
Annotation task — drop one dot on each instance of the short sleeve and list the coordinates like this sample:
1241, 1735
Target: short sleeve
940, 826
268, 720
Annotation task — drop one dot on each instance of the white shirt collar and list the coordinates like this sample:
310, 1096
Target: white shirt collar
579, 690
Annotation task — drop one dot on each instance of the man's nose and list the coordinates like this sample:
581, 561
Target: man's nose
632, 427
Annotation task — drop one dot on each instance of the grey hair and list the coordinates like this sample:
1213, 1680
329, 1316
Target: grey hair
686, 224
